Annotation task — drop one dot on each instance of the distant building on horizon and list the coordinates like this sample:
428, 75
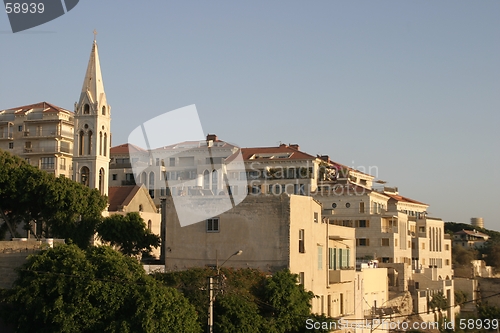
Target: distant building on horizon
478, 222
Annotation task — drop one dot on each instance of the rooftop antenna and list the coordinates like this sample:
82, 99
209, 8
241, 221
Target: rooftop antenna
95, 34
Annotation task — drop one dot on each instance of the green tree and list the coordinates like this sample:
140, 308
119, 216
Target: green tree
289, 304
58, 206
67, 289
129, 233
438, 301
234, 313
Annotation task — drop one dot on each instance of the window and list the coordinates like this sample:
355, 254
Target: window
302, 247
115, 176
316, 217
395, 242
385, 241
362, 242
447, 262
320, 257
332, 258
301, 278
20, 128
172, 161
334, 205
149, 225
447, 247
141, 208
86, 109
361, 207
47, 163
363, 223
347, 205
62, 163
11, 145
213, 225
27, 160
103, 110
423, 246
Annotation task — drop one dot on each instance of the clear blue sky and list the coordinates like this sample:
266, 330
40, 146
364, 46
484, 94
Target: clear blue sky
411, 88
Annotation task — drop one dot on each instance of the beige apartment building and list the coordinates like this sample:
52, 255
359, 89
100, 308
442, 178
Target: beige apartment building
274, 232
40, 133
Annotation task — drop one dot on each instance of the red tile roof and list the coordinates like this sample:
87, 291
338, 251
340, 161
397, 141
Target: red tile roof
282, 152
398, 197
472, 233
119, 196
125, 149
46, 107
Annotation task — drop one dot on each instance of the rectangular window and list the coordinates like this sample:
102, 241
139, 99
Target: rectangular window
213, 224
301, 278
62, 163
162, 191
302, 246
27, 160
362, 242
385, 241
447, 262
361, 207
20, 128
11, 145
47, 163
316, 217
330, 258
320, 257
396, 242
447, 247
172, 161
363, 223
115, 176
423, 246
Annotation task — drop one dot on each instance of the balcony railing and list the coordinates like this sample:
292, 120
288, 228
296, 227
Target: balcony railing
6, 136
341, 275
39, 150
390, 230
49, 133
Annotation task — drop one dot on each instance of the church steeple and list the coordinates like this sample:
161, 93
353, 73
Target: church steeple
93, 86
92, 129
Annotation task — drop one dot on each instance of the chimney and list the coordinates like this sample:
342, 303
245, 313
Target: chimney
211, 137
294, 146
325, 158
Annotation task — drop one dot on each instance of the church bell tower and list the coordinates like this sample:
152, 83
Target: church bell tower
92, 129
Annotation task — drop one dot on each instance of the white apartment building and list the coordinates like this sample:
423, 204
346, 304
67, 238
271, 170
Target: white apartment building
42, 134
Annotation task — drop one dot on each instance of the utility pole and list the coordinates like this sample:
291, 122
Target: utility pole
211, 296
212, 291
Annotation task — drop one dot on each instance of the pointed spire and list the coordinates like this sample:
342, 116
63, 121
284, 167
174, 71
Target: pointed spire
93, 84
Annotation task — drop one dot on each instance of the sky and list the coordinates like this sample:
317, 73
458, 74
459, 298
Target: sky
409, 90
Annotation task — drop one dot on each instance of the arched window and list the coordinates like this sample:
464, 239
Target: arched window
149, 225
151, 184
100, 143
101, 181
143, 178
206, 180
86, 109
80, 143
89, 146
214, 181
85, 176
105, 143
103, 110
141, 208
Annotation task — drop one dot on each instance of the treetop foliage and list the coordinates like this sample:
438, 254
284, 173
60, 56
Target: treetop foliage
61, 207
67, 289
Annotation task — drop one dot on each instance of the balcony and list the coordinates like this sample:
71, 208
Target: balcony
341, 275
47, 150
390, 230
6, 136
